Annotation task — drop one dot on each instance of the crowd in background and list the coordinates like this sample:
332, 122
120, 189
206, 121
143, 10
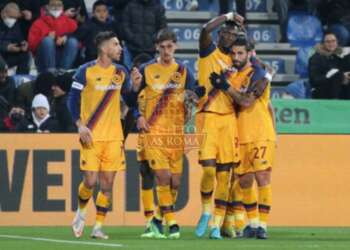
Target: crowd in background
55, 36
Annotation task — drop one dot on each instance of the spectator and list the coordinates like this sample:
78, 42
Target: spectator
27, 91
60, 89
87, 32
40, 121
118, 10
141, 21
50, 40
328, 70
13, 46
7, 84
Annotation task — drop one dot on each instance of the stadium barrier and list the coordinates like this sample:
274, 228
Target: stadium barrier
39, 174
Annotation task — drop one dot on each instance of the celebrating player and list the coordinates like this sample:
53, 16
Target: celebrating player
216, 119
94, 102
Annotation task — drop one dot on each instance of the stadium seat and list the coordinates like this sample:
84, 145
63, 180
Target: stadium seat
299, 89
303, 29
302, 60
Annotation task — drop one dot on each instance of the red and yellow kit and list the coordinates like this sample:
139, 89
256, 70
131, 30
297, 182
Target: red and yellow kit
100, 112
256, 131
164, 89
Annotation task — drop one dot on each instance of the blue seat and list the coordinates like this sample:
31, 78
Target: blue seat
304, 29
302, 60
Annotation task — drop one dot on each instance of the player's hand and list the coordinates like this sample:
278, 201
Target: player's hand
85, 135
200, 91
142, 124
219, 81
238, 19
136, 79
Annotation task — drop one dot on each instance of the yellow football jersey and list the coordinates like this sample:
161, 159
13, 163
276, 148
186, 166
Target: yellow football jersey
100, 99
255, 122
209, 61
164, 88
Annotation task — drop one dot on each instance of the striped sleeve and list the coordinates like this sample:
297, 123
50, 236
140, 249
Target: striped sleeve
74, 96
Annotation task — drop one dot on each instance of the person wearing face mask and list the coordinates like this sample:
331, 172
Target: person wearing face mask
13, 47
40, 121
50, 39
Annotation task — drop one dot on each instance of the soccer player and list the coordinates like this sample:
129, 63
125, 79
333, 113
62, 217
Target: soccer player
216, 119
165, 82
257, 137
94, 102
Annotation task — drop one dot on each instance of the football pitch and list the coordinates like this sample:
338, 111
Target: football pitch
54, 238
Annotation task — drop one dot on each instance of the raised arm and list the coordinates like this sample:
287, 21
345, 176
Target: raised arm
205, 38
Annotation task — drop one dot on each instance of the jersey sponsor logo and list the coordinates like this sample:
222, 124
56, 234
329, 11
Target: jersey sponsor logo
108, 87
170, 85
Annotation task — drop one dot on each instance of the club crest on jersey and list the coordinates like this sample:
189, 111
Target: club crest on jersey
176, 77
119, 77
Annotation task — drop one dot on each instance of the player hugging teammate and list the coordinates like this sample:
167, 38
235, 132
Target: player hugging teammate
237, 117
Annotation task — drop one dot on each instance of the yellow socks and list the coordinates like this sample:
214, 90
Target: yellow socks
148, 203
84, 195
207, 187
221, 196
165, 202
265, 200
250, 205
102, 205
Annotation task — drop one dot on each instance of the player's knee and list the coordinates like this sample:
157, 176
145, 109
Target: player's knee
175, 182
163, 177
90, 182
209, 173
263, 178
246, 181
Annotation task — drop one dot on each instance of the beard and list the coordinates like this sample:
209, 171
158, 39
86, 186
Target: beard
239, 64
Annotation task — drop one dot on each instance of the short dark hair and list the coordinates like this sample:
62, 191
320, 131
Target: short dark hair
98, 3
103, 36
242, 41
329, 32
166, 34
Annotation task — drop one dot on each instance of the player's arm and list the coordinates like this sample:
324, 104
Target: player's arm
246, 99
136, 89
205, 39
73, 103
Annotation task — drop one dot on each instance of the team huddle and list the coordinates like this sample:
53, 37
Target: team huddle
233, 117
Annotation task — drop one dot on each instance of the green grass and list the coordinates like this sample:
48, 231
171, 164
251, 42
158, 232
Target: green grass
280, 238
